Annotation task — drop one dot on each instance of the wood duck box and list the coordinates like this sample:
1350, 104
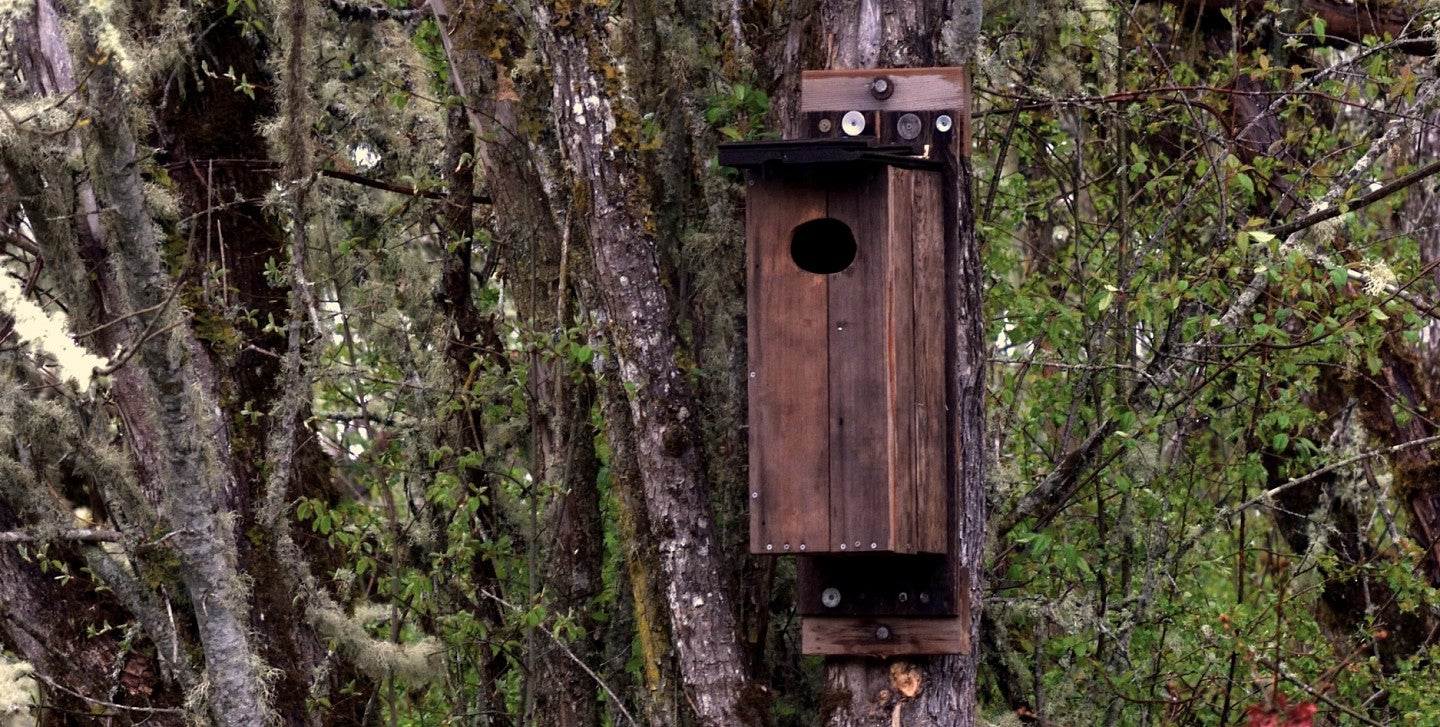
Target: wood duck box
846, 340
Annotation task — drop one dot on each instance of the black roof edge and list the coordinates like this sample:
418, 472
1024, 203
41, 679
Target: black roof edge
801, 152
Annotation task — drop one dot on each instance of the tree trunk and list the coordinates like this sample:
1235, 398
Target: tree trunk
165, 392
875, 692
601, 132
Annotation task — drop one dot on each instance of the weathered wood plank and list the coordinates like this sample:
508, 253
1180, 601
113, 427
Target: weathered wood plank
931, 496
789, 401
904, 636
916, 89
899, 303
860, 508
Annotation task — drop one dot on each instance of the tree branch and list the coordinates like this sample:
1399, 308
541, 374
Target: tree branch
1396, 185
80, 535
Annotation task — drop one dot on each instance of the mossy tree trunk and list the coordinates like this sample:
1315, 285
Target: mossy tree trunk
168, 394
600, 128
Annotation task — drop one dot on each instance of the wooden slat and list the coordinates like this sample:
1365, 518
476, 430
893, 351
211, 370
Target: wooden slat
899, 302
916, 89
789, 401
909, 636
860, 502
931, 495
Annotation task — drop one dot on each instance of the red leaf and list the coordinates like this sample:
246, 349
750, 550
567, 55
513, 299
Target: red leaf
1301, 715
1259, 717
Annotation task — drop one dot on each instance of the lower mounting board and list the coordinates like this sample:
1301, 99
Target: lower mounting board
883, 637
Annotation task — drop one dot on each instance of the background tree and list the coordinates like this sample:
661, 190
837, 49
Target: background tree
419, 331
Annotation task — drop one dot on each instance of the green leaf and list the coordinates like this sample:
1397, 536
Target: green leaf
1339, 277
1106, 300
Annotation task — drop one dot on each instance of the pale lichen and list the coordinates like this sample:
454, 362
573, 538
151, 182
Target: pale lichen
1378, 276
103, 19
47, 333
415, 664
18, 693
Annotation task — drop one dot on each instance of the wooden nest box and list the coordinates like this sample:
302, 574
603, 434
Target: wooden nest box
850, 459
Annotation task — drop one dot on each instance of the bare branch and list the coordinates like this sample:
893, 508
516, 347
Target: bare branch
1270, 494
79, 535
1378, 194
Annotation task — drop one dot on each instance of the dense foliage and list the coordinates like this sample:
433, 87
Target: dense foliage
376, 437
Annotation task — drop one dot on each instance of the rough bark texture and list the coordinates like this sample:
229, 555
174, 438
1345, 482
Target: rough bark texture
165, 393
572, 575
600, 132
660, 700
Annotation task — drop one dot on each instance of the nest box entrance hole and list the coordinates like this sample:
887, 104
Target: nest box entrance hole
825, 246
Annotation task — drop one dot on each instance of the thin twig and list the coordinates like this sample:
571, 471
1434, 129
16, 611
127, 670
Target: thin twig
152, 309
1327, 469
80, 535
103, 703
596, 677
1316, 693
1332, 212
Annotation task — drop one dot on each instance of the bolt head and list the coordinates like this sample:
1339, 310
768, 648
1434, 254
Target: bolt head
882, 87
909, 126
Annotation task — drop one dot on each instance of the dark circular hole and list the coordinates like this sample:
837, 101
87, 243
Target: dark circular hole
822, 246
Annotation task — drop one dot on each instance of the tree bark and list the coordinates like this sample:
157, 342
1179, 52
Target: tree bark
600, 129
659, 701
169, 398
165, 392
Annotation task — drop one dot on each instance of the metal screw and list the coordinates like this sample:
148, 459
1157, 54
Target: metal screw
754, 495
903, 597
787, 546
857, 543
830, 597
825, 126
882, 633
882, 87
769, 546
853, 124
943, 122
872, 546
842, 546
924, 597
909, 126
802, 546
